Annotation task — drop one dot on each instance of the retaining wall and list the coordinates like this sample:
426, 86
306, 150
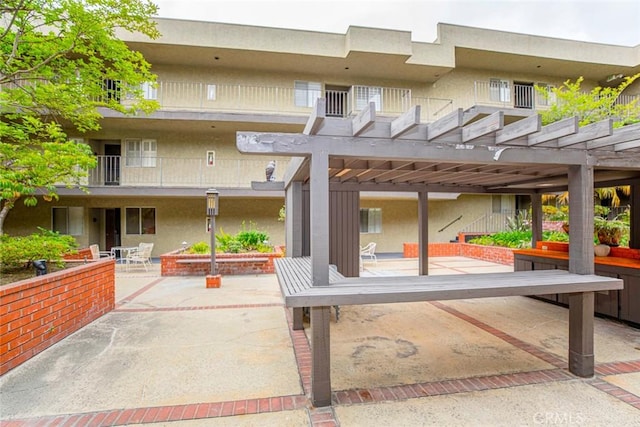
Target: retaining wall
37, 313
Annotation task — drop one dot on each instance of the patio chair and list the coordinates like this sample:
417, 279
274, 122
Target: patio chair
369, 251
140, 255
96, 253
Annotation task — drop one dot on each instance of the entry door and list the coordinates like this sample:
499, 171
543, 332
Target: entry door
112, 228
111, 164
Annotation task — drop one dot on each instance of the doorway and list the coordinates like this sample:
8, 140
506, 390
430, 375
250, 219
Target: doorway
111, 164
112, 228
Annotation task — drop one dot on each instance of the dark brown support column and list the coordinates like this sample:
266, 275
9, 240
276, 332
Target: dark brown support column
320, 356
423, 233
581, 358
536, 218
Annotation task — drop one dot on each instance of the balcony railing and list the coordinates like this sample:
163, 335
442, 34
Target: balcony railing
282, 100
180, 172
507, 95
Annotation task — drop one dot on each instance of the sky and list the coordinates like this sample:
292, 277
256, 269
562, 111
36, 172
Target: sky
611, 22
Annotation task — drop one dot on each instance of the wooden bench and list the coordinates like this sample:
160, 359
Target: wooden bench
294, 275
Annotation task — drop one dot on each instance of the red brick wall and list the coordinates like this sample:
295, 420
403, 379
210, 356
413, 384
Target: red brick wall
82, 254
487, 253
37, 313
170, 267
495, 254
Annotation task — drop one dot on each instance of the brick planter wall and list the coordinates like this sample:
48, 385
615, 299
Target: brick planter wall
170, 267
487, 253
37, 313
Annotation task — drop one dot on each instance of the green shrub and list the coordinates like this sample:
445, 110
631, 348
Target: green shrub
20, 251
199, 248
245, 240
518, 239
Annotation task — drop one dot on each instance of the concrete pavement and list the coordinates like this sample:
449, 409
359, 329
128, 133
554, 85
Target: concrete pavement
174, 352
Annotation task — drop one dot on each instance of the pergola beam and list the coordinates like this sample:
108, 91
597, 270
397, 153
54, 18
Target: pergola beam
317, 117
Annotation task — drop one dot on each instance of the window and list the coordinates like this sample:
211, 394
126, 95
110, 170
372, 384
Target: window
140, 220
365, 94
211, 92
149, 90
496, 204
371, 220
499, 90
306, 93
550, 97
68, 220
141, 153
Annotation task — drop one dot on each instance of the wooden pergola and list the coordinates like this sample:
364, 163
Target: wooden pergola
471, 151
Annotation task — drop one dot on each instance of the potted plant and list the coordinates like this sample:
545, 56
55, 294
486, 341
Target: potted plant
609, 232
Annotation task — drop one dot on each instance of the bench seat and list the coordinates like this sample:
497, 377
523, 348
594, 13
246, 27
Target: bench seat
294, 276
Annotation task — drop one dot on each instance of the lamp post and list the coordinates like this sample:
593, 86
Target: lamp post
212, 211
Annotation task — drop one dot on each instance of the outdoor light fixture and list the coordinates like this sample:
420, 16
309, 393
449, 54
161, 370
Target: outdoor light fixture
212, 203
212, 211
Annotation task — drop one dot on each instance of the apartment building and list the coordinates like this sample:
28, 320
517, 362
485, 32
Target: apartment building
216, 79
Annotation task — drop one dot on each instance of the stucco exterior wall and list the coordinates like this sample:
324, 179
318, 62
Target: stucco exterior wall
177, 219
399, 219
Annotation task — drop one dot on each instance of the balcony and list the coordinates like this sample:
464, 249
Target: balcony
503, 94
179, 172
282, 100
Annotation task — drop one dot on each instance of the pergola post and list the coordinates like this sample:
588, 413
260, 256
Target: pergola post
423, 233
320, 336
581, 261
293, 235
536, 218
581, 219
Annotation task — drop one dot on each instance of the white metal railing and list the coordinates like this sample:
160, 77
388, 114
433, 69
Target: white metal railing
181, 172
340, 103
505, 94
493, 222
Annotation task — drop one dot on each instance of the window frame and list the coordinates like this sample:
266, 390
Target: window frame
140, 220
499, 90
374, 220
140, 160
305, 93
365, 94
73, 219
544, 100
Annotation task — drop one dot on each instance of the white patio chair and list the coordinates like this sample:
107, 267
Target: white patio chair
368, 251
141, 255
96, 253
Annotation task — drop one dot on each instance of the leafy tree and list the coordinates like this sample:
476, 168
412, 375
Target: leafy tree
59, 61
590, 107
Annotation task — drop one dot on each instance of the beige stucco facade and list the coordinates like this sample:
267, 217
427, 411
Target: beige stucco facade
216, 79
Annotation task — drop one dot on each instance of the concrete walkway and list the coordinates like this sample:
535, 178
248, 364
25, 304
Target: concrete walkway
174, 352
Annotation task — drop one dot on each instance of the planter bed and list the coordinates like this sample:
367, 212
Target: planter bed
177, 263
38, 312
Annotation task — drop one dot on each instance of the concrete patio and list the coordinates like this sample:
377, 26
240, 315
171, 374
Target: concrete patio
174, 351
